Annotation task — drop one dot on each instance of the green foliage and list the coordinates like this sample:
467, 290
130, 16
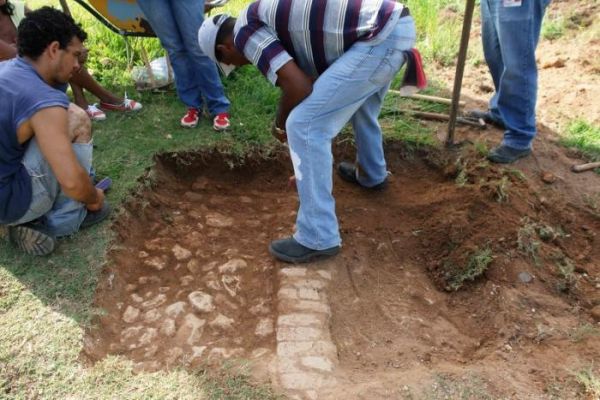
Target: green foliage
438, 28
589, 381
481, 148
553, 27
584, 137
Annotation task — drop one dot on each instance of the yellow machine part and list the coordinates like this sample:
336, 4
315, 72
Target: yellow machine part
125, 15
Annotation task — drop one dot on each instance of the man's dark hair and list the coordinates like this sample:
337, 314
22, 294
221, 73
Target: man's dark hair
225, 29
7, 8
44, 26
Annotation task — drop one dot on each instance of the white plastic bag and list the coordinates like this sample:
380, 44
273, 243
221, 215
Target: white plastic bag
160, 74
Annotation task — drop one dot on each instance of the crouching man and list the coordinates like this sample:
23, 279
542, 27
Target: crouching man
334, 61
46, 190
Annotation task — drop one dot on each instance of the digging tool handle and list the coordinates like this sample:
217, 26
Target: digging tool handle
444, 117
460, 69
425, 97
585, 167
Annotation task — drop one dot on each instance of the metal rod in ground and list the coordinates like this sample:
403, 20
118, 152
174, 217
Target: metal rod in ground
460, 69
65, 7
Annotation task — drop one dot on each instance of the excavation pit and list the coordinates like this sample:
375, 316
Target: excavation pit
190, 282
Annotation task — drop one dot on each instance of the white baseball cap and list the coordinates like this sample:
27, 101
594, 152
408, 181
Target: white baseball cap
207, 36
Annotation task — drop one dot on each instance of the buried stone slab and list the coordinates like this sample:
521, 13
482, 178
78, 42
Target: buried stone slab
306, 355
201, 302
194, 281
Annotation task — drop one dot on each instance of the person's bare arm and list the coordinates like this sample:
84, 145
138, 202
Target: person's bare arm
50, 126
7, 51
295, 86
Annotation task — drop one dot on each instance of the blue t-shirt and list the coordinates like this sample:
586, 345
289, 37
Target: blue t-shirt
22, 93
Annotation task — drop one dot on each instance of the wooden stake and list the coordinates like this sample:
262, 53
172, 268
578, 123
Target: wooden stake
585, 167
460, 69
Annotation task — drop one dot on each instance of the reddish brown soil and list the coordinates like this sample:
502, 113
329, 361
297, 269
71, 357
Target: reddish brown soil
393, 318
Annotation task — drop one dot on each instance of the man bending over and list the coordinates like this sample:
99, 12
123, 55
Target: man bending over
45, 143
334, 61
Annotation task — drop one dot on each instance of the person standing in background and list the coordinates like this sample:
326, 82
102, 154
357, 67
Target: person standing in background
510, 31
176, 23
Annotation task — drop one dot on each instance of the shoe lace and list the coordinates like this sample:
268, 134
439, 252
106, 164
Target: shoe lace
126, 101
93, 108
192, 113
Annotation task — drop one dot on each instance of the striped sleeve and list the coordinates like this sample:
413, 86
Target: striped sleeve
263, 49
260, 44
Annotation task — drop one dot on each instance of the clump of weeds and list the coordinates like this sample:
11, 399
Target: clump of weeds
589, 382
477, 264
583, 332
527, 241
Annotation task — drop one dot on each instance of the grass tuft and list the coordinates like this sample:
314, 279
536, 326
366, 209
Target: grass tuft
584, 137
479, 260
554, 27
589, 381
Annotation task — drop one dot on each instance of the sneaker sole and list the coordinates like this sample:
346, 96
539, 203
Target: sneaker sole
220, 129
189, 125
314, 256
32, 241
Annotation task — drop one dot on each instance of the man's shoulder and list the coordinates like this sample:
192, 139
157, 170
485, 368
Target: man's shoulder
23, 93
20, 82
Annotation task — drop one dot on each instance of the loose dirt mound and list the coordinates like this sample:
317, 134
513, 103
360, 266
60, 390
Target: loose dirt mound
522, 255
523, 259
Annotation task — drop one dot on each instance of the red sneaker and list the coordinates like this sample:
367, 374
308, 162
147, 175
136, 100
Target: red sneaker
95, 113
221, 121
126, 105
190, 119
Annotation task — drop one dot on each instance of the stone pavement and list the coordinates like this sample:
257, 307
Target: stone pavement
306, 356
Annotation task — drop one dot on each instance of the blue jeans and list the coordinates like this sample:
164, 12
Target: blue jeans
351, 89
510, 36
176, 23
61, 215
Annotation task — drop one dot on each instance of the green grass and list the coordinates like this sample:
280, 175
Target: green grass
554, 27
584, 137
439, 23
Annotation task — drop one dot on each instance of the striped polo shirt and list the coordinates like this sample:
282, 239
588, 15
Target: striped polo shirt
314, 33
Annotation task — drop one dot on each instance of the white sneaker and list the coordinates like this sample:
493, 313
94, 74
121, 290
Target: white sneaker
95, 113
